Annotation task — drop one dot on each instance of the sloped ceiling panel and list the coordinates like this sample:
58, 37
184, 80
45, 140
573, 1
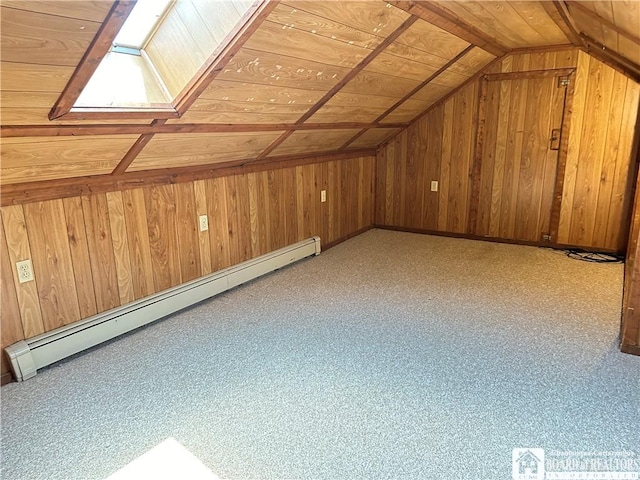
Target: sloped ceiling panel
42, 42
302, 65
46, 158
303, 141
188, 149
514, 24
302, 51
450, 79
373, 137
415, 56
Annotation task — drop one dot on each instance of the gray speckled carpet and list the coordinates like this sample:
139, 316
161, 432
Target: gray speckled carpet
390, 355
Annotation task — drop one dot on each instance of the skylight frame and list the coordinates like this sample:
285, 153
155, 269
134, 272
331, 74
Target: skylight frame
65, 107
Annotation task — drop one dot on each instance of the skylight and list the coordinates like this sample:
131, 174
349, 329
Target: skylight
139, 26
161, 51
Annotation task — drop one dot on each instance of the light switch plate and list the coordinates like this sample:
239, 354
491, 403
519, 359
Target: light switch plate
434, 185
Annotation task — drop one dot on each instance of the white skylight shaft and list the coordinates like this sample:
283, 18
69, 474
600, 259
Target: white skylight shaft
140, 24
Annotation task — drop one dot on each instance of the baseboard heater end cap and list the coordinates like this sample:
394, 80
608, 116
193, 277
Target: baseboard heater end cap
316, 240
21, 361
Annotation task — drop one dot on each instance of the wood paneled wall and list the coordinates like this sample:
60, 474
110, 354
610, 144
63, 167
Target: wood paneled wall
630, 331
97, 252
597, 187
440, 147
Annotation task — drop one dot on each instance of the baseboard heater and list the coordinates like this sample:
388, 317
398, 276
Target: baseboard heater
27, 356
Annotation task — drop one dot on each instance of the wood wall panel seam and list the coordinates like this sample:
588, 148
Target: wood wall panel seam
476, 167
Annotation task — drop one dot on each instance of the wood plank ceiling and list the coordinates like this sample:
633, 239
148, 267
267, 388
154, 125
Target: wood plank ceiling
313, 77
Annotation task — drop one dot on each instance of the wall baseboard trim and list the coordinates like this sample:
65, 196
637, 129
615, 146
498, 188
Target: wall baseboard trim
6, 378
630, 349
347, 237
437, 233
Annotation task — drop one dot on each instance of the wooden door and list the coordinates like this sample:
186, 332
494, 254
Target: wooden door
517, 155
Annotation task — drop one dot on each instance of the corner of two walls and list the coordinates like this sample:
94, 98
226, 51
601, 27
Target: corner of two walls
95, 252
599, 174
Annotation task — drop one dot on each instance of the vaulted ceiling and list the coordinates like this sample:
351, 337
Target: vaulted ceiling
301, 77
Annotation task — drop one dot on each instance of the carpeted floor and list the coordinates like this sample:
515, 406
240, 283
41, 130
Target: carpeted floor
390, 355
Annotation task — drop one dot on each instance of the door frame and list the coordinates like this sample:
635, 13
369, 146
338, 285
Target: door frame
476, 167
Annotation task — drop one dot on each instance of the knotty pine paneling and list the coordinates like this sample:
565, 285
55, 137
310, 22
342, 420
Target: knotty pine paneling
51, 259
439, 147
596, 195
97, 252
12, 331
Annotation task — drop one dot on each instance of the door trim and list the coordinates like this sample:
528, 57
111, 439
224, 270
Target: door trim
561, 164
476, 167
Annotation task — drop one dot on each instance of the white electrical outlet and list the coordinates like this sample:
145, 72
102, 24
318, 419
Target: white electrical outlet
323, 196
434, 185
204, 223
25, 272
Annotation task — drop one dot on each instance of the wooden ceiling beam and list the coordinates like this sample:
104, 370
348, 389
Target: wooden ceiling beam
98, 48
544, 49
12, 131
604, 21
275, 144
554, 72
611, 58
448, 21
441, 70
20, 193
447, 97
354, 138
411, 94
132, 153
559, 13
358, 68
